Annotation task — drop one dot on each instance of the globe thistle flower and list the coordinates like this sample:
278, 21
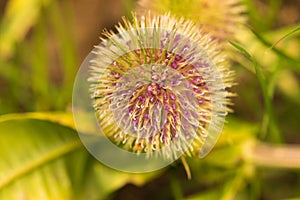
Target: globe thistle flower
159, 87
219, 18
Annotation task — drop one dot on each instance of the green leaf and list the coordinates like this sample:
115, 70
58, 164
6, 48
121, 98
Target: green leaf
33, 159
62, 118
42, 159
101, 181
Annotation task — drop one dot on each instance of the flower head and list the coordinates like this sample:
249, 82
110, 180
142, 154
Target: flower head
158, 86
219, 18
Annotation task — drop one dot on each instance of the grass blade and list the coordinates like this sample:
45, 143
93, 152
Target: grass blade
295, 64
285, 37
275, 134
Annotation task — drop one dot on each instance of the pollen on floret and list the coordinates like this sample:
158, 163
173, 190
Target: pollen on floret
159, 87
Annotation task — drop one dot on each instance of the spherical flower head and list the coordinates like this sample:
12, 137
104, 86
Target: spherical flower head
219, 18
159, 87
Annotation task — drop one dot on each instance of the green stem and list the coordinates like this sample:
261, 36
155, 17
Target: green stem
266, 120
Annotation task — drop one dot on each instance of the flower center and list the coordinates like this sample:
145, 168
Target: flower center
156, 98
156, 103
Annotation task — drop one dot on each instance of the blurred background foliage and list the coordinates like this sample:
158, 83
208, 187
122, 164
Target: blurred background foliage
43, 42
